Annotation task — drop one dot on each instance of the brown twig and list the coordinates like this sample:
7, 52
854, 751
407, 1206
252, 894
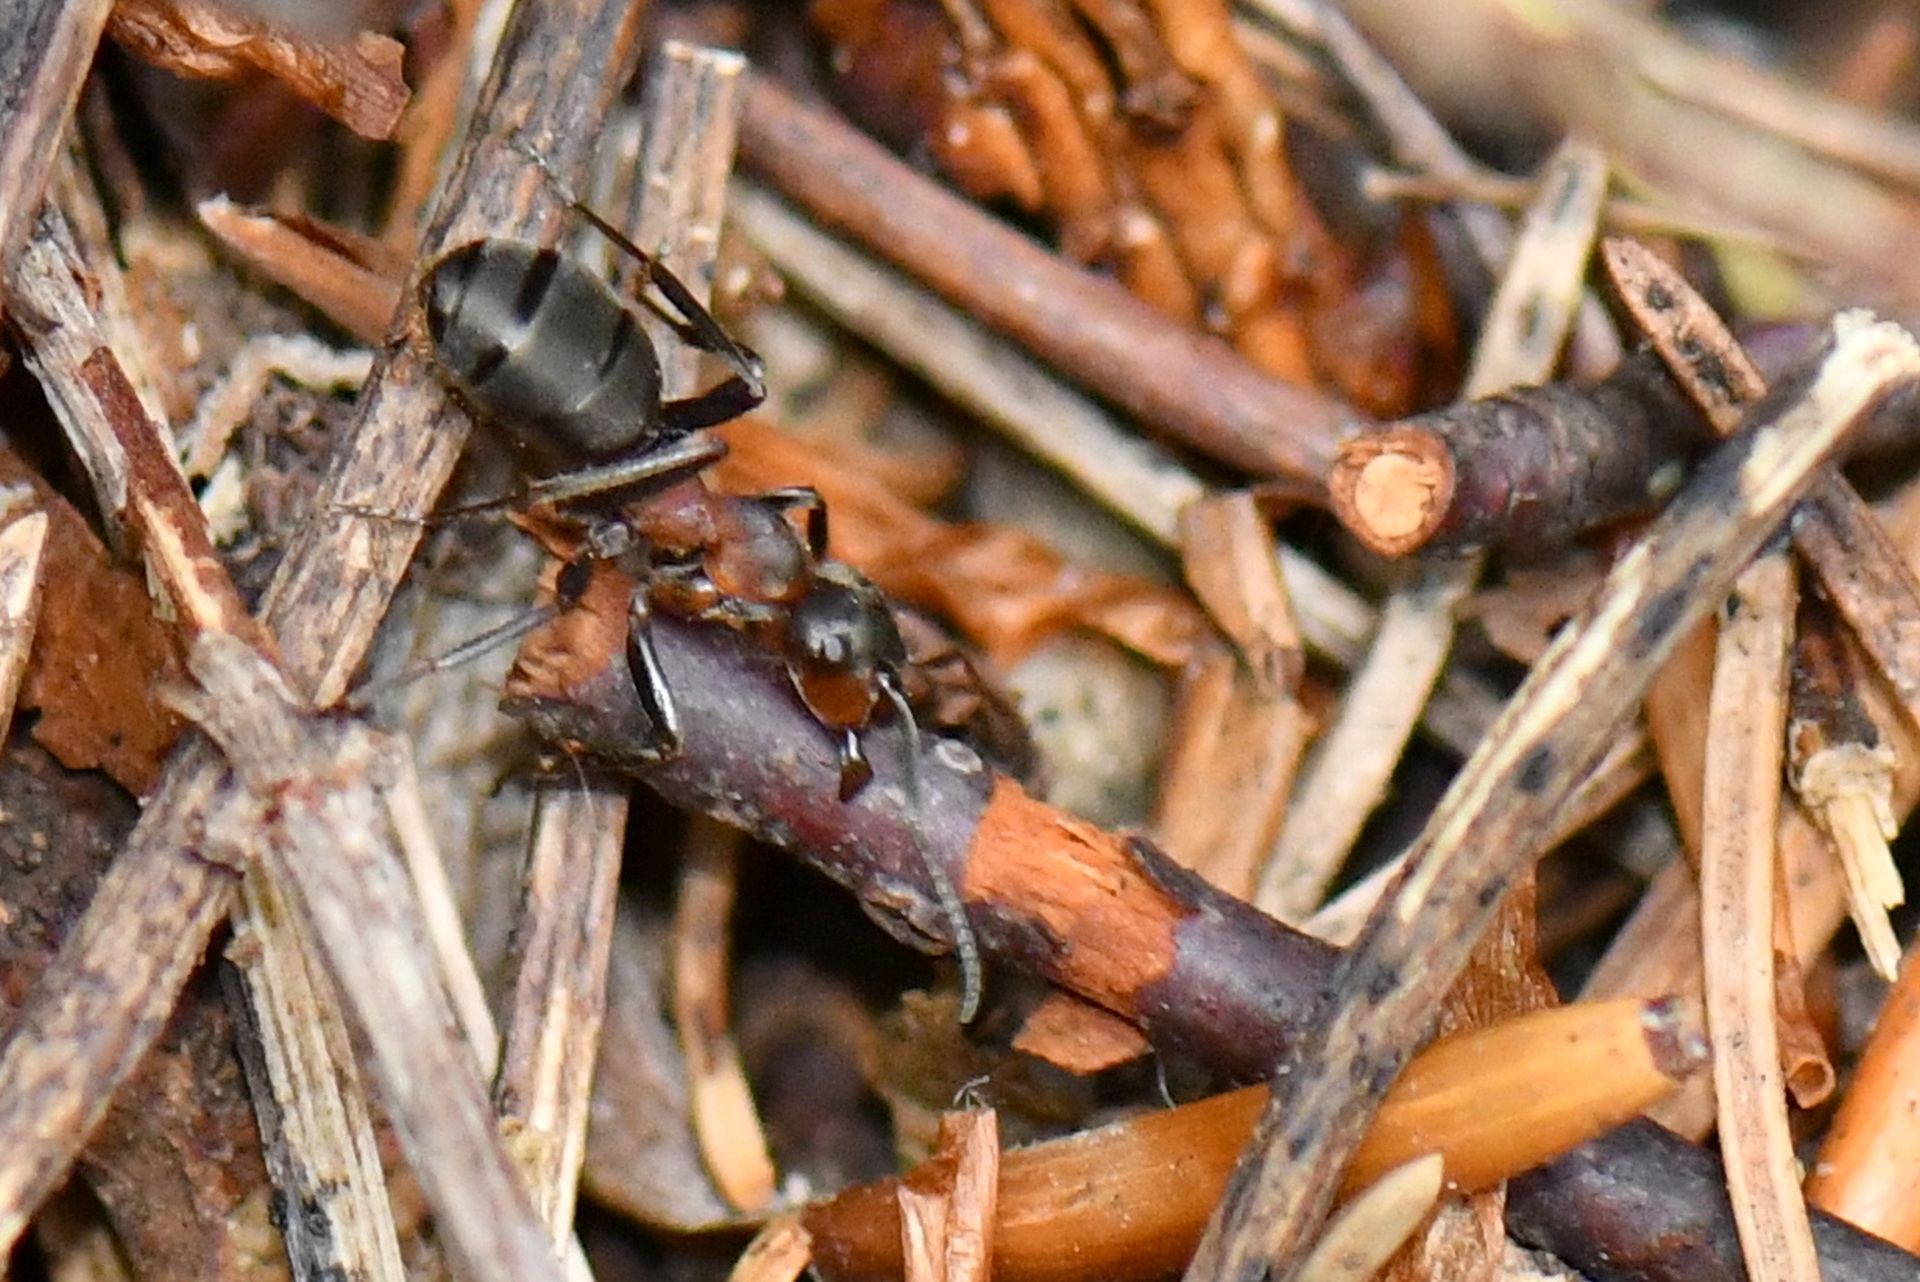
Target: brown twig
1528, 468
1183, 385
311, 1107
1622, 1206
100, 1004
1476, 842
551, 1040
1721, 381
132, 467
978, 371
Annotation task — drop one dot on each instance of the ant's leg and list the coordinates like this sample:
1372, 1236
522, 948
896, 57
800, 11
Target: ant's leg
649, 679
655, 470
721, 403
856, 772
569, 587
695, 325
806, 499
649, 472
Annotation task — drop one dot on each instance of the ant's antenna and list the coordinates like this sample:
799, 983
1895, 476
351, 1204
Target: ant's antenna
966, 948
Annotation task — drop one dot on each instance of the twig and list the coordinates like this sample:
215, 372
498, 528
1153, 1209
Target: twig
724, 1118
1530, 468
1179, 383
553, 1040
1718, 377
323, 1141
354, 76
1347, 772
22, 541
779, 1252
1369, 1230
308, 808
1476, 842
1226, 776
440, 921
1748, 717
1865, 1172
642, 1157
982, 373
1844, 544
309, 1095
103, 1000
134, 474
43, 62
312, 1109
1107, 918
1842, 772
562, 930
1678, 1195
1861, 571
1126, 1201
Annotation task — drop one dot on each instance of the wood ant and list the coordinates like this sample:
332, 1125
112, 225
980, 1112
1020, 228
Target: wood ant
543, 349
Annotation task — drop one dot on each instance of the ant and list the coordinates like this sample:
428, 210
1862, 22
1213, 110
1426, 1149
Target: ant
545, 350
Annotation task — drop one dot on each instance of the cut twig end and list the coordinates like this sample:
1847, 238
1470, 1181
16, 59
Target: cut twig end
1393, 488
1676, 1036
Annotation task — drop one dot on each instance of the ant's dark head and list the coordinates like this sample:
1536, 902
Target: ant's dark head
841, 642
